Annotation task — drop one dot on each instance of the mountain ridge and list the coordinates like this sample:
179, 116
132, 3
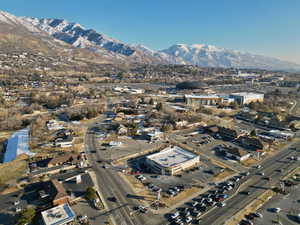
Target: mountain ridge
195, 54
212, 56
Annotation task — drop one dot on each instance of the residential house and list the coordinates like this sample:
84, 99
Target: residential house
66, 158
57, 192
64, 142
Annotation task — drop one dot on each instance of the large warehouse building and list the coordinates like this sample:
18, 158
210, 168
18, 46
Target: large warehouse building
247, 97
171, 160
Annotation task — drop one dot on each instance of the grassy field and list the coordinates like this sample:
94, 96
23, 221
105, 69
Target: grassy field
12, 170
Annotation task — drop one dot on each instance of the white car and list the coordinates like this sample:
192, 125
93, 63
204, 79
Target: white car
188, 219
175, 215
277, 210
258, 215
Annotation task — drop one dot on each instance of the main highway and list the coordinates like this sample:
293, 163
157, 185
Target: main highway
255, 184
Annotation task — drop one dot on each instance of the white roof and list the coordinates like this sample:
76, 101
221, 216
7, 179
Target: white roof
202, 96
172, 156
58, 215
17, 144
245, 94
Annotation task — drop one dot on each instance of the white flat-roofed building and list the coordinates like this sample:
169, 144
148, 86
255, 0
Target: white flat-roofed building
212, 99
59, 215
171, 160
247, 97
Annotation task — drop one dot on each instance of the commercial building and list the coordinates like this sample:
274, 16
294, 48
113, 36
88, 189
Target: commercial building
232, 152
236, 153
247, 97
197, 100
172, 160
59, 215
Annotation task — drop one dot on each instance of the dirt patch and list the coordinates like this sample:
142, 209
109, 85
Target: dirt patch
138, 188
221, 164
249, 162
221, 176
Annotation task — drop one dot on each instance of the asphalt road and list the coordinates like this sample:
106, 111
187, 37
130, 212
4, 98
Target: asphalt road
255, 184
111, 185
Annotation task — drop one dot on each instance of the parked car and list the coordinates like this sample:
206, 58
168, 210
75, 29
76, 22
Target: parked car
187, 220
256, 214
246, 222
175, 215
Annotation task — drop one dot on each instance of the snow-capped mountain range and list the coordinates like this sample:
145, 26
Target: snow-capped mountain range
212, 56
196, 54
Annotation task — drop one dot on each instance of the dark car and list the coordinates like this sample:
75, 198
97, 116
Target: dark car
112, 199
250, 217
245, 192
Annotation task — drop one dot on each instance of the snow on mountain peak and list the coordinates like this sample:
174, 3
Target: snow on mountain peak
212, 56
10, 19
196, 54
78, 36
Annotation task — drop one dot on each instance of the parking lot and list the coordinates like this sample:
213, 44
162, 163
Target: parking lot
126, 147
192, 211
175, 189
289, 209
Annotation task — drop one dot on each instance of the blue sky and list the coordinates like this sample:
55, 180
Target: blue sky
268, 27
